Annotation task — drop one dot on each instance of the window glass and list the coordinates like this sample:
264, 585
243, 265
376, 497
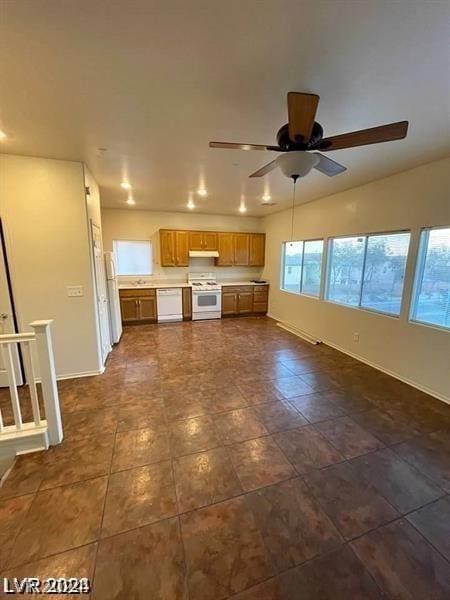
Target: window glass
133, 257
292, 266
431, 303
345, 270
312, 267
384, 272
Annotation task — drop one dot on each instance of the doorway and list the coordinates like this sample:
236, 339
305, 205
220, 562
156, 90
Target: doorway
8, 322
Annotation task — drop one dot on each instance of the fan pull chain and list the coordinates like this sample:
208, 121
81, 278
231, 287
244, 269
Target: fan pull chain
294, 178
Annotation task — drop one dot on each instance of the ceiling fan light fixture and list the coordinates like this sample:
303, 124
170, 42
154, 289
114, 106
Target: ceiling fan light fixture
297, 163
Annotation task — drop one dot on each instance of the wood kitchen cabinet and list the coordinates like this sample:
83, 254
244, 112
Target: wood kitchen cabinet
202, 240
257, 246
138, 305
235, 249
241, 244
244, 300
174, 247
225, 246
187, 304
229, 303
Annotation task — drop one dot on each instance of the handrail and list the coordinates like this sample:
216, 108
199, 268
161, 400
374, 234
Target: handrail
8, 338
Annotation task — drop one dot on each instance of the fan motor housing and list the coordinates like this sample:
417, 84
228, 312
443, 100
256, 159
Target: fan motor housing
285, 142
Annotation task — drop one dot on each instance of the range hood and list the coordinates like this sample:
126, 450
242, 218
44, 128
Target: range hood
203, 254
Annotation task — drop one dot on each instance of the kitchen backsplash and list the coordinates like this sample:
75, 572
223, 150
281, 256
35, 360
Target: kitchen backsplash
197, 265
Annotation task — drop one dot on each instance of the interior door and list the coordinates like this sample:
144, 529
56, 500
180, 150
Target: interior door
101, 291
7, 324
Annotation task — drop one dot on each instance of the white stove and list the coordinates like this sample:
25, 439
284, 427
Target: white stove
206, 296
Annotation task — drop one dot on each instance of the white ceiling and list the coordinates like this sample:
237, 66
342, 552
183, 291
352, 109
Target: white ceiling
154, 81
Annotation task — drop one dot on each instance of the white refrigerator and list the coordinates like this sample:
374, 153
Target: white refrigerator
115, 318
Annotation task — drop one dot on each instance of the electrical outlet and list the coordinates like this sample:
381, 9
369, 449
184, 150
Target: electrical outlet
75, 291
356, 337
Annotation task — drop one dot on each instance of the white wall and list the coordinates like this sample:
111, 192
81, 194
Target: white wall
410, 200
44, 213
144, 224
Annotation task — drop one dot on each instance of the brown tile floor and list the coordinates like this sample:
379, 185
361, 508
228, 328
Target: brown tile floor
230, 459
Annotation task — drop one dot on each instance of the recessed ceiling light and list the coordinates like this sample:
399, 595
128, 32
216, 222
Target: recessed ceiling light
246, 147
126, 185
242, 208
267, 198
130, 200
191, 205
3, 135
202, 192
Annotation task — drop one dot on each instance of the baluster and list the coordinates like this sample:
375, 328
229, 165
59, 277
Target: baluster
29, 374
9, 363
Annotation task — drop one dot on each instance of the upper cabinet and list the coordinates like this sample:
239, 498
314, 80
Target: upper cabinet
241, 242
202, 240
174, 248
257, 249
235, 249
226, 250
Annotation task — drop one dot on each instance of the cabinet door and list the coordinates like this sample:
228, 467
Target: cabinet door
129, 308
245, 302
226, 250
167, 245
209, 240
196, 240
187, 304
147, 308
182, 248
257, 247
241, 249
229, 303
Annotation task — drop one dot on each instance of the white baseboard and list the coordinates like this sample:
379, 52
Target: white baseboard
82, 374
298, 333
413, 384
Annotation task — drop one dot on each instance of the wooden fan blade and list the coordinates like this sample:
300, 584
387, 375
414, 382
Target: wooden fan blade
327, 166
236, 146
266, 169
301, 113
374, 135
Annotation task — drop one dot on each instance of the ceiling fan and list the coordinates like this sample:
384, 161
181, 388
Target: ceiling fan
302, 134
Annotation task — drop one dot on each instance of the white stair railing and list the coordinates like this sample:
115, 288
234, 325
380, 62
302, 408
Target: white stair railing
39, 433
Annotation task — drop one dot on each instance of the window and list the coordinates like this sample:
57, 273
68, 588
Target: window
133, 257
431, 298
384, 271
368, 271
302, 267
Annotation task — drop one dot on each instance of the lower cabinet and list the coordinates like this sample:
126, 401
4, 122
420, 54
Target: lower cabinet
229, 303
244, 300
187, 304
138, 305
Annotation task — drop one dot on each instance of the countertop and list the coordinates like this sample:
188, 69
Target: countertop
177, 284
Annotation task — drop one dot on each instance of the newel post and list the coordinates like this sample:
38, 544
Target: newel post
48, 380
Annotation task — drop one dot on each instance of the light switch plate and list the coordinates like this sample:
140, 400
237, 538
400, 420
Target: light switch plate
75, 291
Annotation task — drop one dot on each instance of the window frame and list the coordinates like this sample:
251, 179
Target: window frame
366, 237
283, 266
147, 241
419, 272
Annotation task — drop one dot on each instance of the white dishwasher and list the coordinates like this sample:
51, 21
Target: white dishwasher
170, 304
